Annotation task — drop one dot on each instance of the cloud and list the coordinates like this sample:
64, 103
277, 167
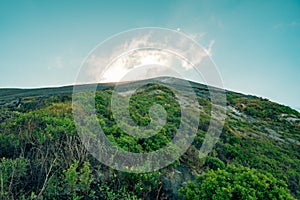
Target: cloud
292, 24
196, 36
196, 58
111, 64
139, 58
57, 63
210, 46
277, 26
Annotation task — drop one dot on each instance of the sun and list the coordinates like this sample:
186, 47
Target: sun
133, 60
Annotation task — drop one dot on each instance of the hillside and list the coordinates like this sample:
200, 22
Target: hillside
42, 157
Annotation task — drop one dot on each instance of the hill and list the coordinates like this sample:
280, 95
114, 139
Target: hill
43, 157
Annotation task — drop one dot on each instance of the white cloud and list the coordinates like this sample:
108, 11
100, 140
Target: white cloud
143, 50
210, 46
196, 36
121, 66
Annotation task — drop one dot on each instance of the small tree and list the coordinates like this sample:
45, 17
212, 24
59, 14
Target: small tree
79, 179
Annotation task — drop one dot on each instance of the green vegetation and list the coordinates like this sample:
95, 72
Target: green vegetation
236, 183
42, 157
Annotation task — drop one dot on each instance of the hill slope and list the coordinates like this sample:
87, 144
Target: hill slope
43, 157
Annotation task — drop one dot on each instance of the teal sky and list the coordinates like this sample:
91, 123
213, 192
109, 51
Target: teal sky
256, 43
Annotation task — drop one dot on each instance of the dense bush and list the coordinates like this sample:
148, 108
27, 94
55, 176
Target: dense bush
236, 183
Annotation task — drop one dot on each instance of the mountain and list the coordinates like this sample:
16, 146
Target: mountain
42, 156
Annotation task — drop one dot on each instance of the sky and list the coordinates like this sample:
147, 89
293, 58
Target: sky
255, 44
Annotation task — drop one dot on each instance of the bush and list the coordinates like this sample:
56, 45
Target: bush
236, 183
11, 173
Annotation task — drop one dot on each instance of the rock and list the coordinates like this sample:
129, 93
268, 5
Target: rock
175, 179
